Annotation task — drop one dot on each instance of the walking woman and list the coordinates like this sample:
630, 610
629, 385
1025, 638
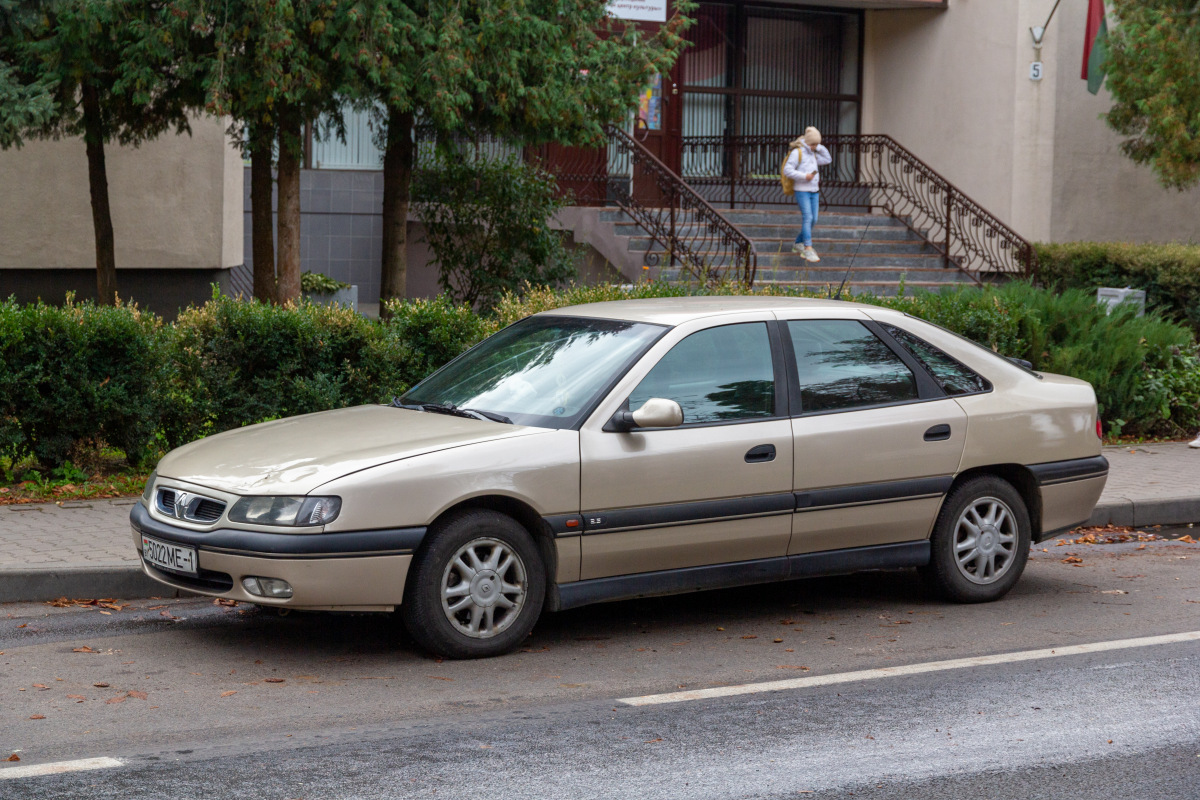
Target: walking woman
807, 154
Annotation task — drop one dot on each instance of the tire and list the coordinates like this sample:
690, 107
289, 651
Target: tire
980, 542
476, 588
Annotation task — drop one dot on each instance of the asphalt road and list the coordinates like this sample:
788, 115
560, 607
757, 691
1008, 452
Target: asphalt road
238, 702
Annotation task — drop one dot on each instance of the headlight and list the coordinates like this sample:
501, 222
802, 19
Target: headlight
295, 511
148, 492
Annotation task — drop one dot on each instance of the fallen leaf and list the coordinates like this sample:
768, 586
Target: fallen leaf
777, 641
751, 636
224, 601
136, 695
13, 757
41, 686
106, 613
720, 628
113, 700
167, 614
23, 626
281, 680
154, 608
230, 693
84, 649
38, 716
652, 741
791, 666
1072, 560
100, 685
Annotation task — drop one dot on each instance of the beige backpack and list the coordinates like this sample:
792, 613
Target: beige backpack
789, 186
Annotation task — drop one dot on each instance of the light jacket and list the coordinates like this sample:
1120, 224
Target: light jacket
804, 160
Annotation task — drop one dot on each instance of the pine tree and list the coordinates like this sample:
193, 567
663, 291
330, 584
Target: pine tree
1153, 65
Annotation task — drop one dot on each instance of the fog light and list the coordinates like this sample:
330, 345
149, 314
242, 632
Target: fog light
267, 587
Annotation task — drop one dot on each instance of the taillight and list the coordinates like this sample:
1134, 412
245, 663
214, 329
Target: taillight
1099, 429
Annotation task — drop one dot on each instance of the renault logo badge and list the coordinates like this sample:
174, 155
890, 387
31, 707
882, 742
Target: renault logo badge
181, 503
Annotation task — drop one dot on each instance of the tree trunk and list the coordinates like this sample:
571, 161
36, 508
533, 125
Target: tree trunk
106, 259
262, 215
397, 181
291, 128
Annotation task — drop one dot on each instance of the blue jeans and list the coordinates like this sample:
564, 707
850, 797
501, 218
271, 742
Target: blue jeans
808, 209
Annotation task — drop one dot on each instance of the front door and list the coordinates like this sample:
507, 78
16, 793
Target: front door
715, 490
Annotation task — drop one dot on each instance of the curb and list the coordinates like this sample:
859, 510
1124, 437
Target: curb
1143, 513
33, 585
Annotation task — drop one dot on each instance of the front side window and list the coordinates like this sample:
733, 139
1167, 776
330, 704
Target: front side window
953, 377
842, 365
720, 374
542, 371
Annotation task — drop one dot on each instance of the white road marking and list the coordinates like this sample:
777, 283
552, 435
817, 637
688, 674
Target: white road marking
910, 669
57, 767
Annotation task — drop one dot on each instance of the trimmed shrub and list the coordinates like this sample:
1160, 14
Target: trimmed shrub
78, 375
421, 335
236, 363
1168, 273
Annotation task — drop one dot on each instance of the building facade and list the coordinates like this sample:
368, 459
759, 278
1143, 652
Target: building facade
950, 80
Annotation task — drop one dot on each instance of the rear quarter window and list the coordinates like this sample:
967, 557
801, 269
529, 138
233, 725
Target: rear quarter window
952, 375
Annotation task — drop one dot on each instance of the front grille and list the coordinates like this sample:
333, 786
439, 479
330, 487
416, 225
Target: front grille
209, 510
188, 506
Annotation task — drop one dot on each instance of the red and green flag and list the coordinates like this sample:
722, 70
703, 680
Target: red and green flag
1095, 46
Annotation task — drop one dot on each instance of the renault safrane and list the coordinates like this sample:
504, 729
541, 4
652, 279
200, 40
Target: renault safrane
634, 448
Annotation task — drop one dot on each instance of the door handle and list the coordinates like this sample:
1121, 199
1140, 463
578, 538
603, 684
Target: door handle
938, 433
760, 454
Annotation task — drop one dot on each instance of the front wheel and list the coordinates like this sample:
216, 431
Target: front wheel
477, 589
980, 542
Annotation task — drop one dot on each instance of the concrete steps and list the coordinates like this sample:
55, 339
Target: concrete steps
874, 254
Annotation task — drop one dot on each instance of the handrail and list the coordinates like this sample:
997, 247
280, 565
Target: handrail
871, 171
691, 232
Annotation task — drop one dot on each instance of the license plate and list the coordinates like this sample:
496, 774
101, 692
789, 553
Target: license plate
168, 556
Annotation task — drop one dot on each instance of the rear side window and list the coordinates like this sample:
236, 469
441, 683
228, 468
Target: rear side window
842, 365
952, 376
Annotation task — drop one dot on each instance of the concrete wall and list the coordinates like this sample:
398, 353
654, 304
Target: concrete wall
953, 86
176, 204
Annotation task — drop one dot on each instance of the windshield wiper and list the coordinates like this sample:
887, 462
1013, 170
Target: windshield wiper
492, 415
452, 410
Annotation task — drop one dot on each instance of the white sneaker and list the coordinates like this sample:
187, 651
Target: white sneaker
1195, 443
811, 255
797, 248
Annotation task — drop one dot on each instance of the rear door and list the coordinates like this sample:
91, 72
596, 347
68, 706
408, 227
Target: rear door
715, 490
877, 441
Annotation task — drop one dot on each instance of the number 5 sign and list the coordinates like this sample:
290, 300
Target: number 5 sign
1035, 71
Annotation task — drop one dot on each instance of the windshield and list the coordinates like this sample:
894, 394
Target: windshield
542, 371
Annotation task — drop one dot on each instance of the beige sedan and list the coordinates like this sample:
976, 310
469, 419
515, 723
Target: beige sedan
634, 448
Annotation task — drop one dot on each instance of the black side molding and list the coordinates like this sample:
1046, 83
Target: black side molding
388, 541
741, 573
874, 492
1075, 469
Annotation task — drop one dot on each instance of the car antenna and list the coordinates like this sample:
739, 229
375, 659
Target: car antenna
850, 266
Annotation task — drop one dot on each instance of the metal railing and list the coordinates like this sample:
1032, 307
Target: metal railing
869, 171
693, 235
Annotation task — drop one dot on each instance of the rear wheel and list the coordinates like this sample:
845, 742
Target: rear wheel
477, 589
980, 542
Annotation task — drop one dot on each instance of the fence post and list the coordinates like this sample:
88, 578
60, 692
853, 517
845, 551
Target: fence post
732, 149
949, 209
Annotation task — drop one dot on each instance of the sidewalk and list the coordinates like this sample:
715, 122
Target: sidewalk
85, 548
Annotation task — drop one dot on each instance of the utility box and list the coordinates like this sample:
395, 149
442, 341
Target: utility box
1113, 297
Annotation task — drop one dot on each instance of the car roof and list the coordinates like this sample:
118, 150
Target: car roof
677, 310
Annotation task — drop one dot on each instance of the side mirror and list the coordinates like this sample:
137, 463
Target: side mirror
657, 412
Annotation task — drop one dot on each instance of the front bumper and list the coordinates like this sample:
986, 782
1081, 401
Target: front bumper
352, 570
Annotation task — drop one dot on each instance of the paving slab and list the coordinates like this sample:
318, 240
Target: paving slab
85, 548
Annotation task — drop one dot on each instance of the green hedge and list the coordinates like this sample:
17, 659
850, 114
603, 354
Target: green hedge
1168, 273
79, 375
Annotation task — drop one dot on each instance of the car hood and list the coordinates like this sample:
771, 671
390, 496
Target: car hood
296, 455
